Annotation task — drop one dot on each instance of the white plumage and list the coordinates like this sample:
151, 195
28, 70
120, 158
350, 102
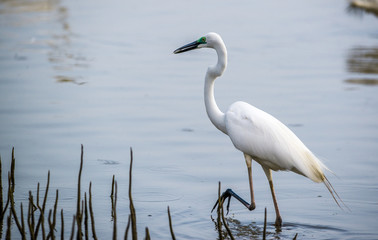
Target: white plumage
269, 142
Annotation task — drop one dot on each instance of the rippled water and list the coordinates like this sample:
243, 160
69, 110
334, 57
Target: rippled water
103, 74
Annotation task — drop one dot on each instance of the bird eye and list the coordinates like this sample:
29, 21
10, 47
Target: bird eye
202, 40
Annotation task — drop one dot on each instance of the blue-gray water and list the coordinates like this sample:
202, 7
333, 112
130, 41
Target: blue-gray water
102, 74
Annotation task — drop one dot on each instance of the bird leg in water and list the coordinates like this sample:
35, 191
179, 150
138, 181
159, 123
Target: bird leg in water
229, 193
278, 215
268, 174
248, 160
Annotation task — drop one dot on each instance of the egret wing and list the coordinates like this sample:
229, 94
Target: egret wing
270, 142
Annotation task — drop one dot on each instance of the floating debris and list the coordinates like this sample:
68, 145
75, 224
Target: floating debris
187, 130
108, 162
363, 81
65, 79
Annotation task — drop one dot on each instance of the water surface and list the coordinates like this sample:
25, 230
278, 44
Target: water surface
103, 74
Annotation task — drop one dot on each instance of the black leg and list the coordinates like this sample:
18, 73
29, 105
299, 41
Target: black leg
227, 195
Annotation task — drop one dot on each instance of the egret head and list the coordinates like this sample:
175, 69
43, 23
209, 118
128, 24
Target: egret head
209, 40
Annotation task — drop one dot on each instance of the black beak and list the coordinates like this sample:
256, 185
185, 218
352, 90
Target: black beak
187, 47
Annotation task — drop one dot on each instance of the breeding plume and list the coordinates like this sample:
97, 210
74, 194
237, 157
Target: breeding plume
257, 134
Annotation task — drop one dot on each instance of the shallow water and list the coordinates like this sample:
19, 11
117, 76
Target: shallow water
103, 74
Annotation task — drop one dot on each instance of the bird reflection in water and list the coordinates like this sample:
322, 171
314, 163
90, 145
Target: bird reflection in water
363, 61
363, 6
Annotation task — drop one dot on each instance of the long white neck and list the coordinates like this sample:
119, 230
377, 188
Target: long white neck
215, 114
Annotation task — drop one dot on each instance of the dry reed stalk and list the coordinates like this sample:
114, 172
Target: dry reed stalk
31, 220
170, 225
13, 166
73, 227
127, 227
38, 194
8, 199
51, 232
13, 211
114, 209
91, 212
52, 213
86, 216
112, 193
79, 215
264, 232
22, 222
132, 209
11, 179
62, 225
220, 210
55, 207
112, 196
42, 209
147, 234
226, 225
9, 222
220, 204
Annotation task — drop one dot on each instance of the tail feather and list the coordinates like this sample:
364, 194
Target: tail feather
334, 194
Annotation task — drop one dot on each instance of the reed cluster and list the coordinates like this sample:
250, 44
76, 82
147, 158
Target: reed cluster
40, 223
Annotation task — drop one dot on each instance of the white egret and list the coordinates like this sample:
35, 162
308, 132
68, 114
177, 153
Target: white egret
257, 134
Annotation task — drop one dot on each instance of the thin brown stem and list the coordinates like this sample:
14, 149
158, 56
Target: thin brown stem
8, 198
62, 227
23, 223
91, 212
115, 212
127, 227
38, 194
170, 225
220, 205
86, 216
52, 222
9, 222
147, 234
73, 227
112, 197
31, 210
42, 209
13, 166
78, 210
55, 207
132, 209
112, 193
14, 211
51, 232
226, 225
42, 223
264, 232
295, 237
